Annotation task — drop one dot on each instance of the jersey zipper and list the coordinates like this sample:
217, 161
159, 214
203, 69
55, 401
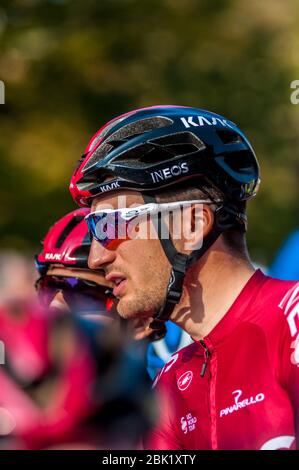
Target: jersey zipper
207, 355
208, 359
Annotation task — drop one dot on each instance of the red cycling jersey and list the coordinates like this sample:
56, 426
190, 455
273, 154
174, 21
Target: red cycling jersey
238, 388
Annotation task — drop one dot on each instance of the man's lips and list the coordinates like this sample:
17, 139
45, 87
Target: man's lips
119, 281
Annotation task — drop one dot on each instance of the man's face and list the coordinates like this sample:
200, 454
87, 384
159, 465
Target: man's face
138, 268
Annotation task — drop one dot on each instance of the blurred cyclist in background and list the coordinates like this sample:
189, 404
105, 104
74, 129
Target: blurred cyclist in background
65, 281
69, 382
17, 276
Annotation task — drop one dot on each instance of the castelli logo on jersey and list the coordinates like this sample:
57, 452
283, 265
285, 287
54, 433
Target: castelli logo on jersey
241, 404
199, 121
53, 256
169, 172
185, 380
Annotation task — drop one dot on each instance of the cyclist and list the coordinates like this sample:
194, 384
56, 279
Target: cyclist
236, 386
65, 280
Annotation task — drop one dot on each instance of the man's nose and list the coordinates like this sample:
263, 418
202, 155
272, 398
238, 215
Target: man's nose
99, 256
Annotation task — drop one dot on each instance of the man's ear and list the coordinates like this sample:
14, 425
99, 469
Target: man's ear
197, 223
208, 218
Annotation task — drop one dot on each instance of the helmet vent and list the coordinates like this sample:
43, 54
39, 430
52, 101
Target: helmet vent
124, 134
78, 164
229, 136
67, 230
160, 149
181, 143
96, 177
239, 162
81, 253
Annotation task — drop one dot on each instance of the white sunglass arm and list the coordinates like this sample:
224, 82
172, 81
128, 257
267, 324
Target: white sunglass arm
147, 208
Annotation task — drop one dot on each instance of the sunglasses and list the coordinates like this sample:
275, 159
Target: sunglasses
110, 226
81, 295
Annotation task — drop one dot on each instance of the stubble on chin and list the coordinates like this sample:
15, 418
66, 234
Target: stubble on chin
141, 304
146, 298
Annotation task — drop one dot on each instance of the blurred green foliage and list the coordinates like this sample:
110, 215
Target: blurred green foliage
69, 65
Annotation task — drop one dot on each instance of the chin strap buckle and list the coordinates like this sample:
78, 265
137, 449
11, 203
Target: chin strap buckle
175, 286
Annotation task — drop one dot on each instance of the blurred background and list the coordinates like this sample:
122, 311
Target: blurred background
70, 65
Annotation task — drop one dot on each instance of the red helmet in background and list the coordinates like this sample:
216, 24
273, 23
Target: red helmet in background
67, 242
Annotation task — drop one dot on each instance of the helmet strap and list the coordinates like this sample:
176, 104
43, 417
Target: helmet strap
180, 263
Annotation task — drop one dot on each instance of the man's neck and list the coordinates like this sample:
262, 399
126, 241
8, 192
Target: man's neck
211, 287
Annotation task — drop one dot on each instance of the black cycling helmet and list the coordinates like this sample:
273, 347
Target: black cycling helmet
162, 146
155, 147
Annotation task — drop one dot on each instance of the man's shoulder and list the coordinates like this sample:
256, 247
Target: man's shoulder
273, 304
286, 323
274, 290
287, 294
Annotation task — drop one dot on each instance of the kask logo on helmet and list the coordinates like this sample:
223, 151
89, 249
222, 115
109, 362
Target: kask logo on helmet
109, 187
197, 121
53, 256
169, 172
